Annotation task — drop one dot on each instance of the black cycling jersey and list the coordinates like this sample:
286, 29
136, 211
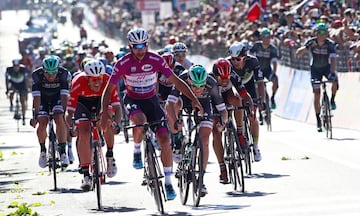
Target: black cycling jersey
235, 80
321, 54
264, 55
211, 94
165, 85
42, 87
16, 76
250, 71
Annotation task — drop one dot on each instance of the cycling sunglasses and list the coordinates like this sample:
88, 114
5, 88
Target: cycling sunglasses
95, 79
52, 72
180, 54
195, 85
139, 46
237, 58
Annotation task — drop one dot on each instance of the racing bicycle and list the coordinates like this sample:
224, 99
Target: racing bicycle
152, 170
326, 114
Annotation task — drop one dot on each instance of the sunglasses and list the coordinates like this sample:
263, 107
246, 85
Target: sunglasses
96, 79
198, 85
237, 58
52, 72
182, 54
322, 32
139, 46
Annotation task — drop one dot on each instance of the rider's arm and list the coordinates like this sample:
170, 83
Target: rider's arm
301, 51
105, 99
185, 89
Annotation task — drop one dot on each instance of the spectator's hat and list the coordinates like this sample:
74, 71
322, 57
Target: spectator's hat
336, 23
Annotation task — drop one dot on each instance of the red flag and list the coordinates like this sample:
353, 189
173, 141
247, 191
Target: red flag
255, 9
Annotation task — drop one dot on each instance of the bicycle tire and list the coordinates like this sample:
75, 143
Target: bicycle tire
97, 175
183, 173
53, 164
197, 170
247, 151
154, 176
327, 116
268, 113
17, 111
236, 169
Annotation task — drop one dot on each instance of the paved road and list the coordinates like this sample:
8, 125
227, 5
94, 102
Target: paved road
302, 173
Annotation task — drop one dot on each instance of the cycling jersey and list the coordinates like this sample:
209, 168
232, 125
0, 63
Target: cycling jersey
140, 75
80, 92
235, 80
48, 90
321, 54
265, 55
210, 95
165, 85
17, 79
250, 71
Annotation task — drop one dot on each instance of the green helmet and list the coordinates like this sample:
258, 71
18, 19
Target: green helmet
322, 27
51, 64
265, 32
197, 74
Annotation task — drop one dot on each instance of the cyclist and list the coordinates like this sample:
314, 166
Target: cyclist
248, 68
207, 91
179, 50
322, 49
86, 90
165, 85
50, 91
15, 80
227, 79
267, 54
139, 70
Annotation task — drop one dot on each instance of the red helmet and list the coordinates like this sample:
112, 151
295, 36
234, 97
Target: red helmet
169, 58
223, 67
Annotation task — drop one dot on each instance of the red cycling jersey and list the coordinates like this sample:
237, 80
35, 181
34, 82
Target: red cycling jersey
140, 76
80, 89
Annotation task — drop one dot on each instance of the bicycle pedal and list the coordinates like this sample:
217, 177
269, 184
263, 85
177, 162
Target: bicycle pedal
144, 182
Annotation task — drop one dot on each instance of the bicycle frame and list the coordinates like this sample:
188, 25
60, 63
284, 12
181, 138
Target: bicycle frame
233, 156
152, 170
326, 114
98, 162
54, 161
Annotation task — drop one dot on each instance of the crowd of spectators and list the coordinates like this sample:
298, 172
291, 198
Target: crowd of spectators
209, 32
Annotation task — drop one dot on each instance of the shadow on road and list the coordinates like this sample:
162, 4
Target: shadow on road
248, 194
265, 175
115, 209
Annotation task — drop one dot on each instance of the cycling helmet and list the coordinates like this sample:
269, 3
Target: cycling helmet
238, 49
169, 58
120, 54
265, 32
138, 36
168, 48
102, 60
94, 68
223, 67
84, 61
197, 74
322, 28
16, 61
179, 47
50, 64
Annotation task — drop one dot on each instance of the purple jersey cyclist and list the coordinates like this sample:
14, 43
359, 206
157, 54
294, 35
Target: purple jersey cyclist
139, 69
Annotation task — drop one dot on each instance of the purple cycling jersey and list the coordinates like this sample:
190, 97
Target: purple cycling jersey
140, 76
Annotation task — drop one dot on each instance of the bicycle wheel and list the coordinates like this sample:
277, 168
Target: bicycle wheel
268, 113
247, 150
52, 160
237, 173
183, 173
327, 117
197, 170
97, 175
153, 176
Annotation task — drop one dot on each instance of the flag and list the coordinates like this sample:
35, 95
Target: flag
256, 8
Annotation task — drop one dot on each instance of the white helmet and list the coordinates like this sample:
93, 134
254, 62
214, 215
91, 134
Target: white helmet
138, 36
94, 68
179, 47
238, 49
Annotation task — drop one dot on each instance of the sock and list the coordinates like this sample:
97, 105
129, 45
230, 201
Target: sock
332, 98
69, 144
177, 140
137, 147
167, 172
222, 165
42, 147
317, 116
85, 170
256, 140
109, 152
62, 148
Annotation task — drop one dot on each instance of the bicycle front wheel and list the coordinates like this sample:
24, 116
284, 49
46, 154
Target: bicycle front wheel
153, 176
52, 160
97, 177
235, 163
268, 113
197, 170
183, 173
